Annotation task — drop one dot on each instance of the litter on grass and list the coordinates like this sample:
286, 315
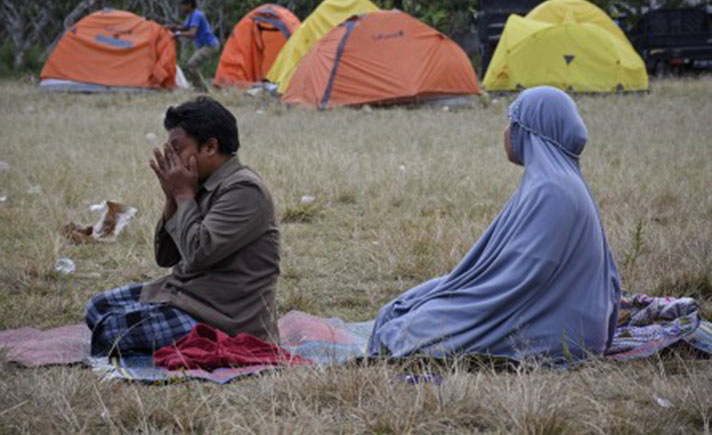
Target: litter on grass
114, 217
65, 266
663, 402
425, 378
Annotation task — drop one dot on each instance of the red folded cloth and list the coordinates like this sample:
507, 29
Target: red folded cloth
208, 348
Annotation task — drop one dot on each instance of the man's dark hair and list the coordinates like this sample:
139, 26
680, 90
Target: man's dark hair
192, 3
202, 119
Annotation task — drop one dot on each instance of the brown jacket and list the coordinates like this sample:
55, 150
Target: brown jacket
224, 247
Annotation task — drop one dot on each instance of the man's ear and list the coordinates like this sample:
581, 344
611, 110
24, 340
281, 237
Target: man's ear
211, 147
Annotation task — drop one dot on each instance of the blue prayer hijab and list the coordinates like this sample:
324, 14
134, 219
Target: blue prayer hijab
541, 281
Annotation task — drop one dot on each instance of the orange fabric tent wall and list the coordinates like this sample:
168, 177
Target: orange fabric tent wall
254, 44
115, 48
381, 57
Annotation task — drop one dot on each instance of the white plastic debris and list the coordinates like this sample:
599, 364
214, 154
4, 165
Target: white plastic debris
4, 166
181, 81
254, 91
151, 136
34, 190
260, 112
97, 207
30, 108
308, 199
663, 402
114, 217
3, 198
270, 87
401, 168
446, 108
65, 266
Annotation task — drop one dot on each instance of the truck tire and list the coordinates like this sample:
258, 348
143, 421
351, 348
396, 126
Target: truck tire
662, 69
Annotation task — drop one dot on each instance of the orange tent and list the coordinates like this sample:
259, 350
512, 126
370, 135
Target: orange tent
114, 49
381, 57
254, 44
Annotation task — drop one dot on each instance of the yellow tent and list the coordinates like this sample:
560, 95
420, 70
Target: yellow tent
329, 14
556, 12
569, 44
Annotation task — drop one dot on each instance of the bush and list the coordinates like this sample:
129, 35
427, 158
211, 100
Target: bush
33, 61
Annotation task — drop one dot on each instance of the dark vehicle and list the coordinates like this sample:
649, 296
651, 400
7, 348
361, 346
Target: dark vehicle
674, 40
490, 24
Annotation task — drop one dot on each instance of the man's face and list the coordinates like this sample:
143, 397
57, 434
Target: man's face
185, 147
185, 8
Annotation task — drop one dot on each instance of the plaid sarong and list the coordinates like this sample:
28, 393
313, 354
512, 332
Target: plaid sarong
121, 324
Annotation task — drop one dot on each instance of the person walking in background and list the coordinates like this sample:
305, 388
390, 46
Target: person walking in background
196, 26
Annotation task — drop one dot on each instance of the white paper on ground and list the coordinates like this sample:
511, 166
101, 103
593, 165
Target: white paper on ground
114, 217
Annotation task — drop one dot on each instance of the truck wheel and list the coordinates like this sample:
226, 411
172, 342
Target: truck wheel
662, 69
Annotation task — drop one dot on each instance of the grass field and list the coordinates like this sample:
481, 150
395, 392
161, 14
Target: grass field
401, 195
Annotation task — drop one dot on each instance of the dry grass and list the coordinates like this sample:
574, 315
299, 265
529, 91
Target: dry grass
401, 195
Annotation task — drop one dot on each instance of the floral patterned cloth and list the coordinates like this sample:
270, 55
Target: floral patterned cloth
648, 324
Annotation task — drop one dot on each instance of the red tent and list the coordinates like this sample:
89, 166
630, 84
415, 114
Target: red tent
254, 44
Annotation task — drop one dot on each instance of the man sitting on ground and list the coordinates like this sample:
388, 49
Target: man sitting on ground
217, 230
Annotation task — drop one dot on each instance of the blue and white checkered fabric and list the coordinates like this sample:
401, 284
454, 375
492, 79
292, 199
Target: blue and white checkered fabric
122, 324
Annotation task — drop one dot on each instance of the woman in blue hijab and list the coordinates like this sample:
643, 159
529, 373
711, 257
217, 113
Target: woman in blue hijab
541, 281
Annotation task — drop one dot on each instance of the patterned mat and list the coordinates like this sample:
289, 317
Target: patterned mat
646, 326
32, 347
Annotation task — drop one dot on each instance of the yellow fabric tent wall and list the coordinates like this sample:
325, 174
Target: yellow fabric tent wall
329, 14
557, 11
560, 49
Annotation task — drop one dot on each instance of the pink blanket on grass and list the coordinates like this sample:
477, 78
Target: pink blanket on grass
32, 347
